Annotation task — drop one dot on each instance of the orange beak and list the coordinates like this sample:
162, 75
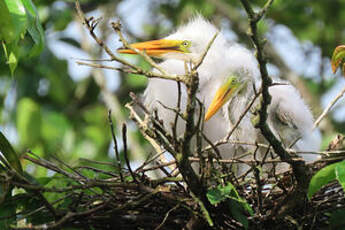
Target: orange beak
156, 48
223, 94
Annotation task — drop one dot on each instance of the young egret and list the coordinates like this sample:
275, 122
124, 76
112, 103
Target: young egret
222, 62
226, 79
289, 118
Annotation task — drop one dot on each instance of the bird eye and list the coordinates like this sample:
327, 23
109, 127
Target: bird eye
185, 43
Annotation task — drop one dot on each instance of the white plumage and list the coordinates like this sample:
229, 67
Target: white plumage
289, 117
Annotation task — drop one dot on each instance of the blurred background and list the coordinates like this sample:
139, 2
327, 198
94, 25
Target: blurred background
57, 108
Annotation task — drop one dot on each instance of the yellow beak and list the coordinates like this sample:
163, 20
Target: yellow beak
156, 48
223, 94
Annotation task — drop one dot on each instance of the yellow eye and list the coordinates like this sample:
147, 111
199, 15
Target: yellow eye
186, 43
184, 46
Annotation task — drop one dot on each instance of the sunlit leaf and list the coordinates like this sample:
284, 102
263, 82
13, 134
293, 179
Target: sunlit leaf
7, 30
221, 193
237, 205
18, 18
12, 29
96, 134
12, 61
11, 54
340, 173
10, 156
215, 196
321, 178
29, 122
338, 58
54, 127
95, 115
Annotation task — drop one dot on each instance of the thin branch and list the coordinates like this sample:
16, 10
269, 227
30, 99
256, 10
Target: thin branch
243, 114
116, 149
263, 10
328, 108
166, 217
124, 138
178, 107
201, 59
117, 28
91, 24
299, 168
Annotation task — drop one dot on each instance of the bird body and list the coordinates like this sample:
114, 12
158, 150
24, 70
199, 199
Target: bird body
290, 119
227, 78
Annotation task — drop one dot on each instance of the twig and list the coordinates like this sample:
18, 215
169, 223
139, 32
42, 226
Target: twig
153, 142
91, 24
124, 138
328, 108
201, 59
50, 166
166, 217
117, 28
299, 168
116, 149
263, 10
243, 114
64, 219
178, 107
101, 66
148, 161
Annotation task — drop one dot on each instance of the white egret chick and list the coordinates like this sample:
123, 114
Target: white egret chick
291, 121
222, 61
226, 79
289, 118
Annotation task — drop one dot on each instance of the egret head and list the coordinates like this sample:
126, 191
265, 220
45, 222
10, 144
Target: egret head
225, 92
188, 43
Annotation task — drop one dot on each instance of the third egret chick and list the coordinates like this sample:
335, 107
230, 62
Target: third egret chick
289, 118
291, 121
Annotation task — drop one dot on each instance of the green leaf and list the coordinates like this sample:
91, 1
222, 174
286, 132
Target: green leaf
215, 196
220, 193
9, 155
338, 57
12, 61
17, 20
29, 122
34, 27
7, 30
18, 17
340, 173
11, 54
236, 209
237, 205
321, 178
54, 127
